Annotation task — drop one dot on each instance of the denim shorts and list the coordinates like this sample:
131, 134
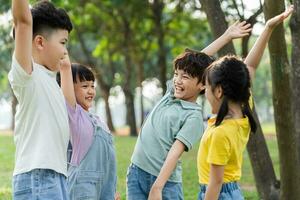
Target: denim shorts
229, 191
139, 184
42, 184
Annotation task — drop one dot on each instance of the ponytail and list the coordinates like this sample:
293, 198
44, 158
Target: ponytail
247, 111
222, 111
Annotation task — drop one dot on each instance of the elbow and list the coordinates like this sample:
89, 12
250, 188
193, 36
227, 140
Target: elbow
23, 22
22, 19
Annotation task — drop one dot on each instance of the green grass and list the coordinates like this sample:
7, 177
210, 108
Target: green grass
124, 148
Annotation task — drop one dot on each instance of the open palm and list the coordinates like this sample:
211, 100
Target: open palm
238, 30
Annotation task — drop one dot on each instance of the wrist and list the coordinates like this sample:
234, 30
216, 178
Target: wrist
226, 37
157, 186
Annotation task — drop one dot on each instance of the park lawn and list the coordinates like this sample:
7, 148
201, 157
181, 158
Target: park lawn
124, 148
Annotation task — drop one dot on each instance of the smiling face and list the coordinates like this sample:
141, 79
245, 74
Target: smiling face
85, 93
186, 87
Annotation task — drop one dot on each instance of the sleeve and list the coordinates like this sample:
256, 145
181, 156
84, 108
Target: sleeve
17, 75
191, 131
219, 149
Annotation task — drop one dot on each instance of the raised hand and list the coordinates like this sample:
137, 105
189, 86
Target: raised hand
65, 63
238, 30
273, 22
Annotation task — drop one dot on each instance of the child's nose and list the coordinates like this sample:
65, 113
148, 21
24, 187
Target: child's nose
178, 80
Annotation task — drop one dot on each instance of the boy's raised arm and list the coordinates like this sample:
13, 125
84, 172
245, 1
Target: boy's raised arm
253, 58
66, 80
236, 30
23, 33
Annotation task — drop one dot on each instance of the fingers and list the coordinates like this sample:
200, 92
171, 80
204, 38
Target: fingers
241, 24
288, 11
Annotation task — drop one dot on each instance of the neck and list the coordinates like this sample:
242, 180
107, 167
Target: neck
235, 110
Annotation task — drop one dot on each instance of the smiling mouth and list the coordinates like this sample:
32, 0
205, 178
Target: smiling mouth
178, 89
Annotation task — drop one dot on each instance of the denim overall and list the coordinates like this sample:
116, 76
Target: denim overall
95, 178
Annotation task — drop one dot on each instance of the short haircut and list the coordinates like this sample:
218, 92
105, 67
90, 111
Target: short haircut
46, 17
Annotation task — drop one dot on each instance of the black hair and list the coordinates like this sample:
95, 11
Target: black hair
232, 75
193, 63
46, 18
79, 72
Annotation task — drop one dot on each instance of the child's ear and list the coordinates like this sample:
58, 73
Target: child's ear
218, 92
201, 86
39, 42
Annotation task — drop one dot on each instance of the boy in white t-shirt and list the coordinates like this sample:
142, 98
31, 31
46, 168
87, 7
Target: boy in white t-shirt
41, 121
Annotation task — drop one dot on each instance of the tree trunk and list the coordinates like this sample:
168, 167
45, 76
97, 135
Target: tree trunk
127, 89
105, 95
157, 10
295, 30
288, 151
140, 84
218, 24
262, 168
130, 114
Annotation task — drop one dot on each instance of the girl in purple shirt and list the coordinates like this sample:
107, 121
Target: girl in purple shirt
92, 170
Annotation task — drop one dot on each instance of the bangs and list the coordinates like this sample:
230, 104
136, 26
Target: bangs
82, 72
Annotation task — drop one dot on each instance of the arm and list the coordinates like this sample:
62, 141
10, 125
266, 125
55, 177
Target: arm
215, 182
236, 30
67, 85
169, 165
23, 33
253, 58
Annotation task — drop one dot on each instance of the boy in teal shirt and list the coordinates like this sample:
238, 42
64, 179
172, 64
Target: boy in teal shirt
173, 126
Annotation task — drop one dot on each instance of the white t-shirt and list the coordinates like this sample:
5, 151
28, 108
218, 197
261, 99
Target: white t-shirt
41, 121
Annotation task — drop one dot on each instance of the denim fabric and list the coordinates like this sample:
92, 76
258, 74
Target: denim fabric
139, 184
38, 184
229, 191
95, 178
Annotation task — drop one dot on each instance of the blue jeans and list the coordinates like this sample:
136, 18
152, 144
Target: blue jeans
42, 184
139, 184
229, 191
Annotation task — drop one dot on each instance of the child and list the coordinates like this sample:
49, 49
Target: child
173, 126
92, 171
41, 122
220, 154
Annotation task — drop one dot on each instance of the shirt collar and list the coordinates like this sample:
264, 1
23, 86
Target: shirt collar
43, 68
185, 104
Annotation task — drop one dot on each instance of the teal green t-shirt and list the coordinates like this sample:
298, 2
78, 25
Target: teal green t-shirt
169, 120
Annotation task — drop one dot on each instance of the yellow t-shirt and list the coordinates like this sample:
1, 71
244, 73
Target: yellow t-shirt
223, 145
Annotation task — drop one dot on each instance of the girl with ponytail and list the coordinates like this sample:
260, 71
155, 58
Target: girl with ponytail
227, 89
